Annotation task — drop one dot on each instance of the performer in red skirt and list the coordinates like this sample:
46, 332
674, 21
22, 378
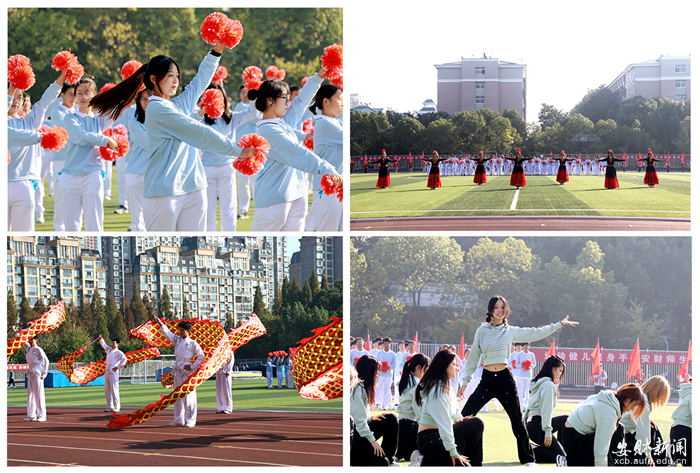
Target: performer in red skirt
562, 174
480, 172
650, 177
517, 177
384, 180
434, 176
610, 172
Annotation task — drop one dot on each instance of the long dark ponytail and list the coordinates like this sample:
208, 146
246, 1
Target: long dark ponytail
436, 374
418, 360
367, 367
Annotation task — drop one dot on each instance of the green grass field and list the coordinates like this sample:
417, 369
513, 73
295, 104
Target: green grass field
121, 222
499, 442
247, 394
409, 196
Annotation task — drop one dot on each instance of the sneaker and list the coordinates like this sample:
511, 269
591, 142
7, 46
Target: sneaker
394, 463
176, 424
108, 410
219, 412
227, 412
416, 458
530, 464
39, 217
190, 424
29, 419
41, 419
121, 210
561, 461
242, 215
108, 197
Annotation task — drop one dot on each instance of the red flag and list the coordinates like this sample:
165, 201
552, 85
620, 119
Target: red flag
683, 372
365, 162
410, 159
551, 351
668, 158
596, 360
682, 159
415, 341
461, 347
635, 368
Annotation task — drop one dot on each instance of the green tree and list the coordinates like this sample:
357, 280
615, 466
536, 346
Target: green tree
85, 318
12, 313
324, 282
598, 104
138, 308
165, 310
26, 313
115, 322
259, 303
313, 284
127, 315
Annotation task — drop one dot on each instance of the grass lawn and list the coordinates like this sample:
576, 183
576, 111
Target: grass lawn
121, 222
409, 196
499, 442
247, 394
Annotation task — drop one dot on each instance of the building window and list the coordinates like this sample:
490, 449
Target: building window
680, 68
480, 85
480, 71
680, 84
480, 100
680, 98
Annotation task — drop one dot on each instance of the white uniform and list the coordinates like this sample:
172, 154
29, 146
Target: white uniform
115, 359
38, 367
384, 392
524, 378
356, 355
224, 401
185, 350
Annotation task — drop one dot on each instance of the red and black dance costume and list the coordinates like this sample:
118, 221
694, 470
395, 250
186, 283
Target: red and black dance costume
650, 177
562, 173
517, 176
434, 176
480, 172
383, 180
610, 172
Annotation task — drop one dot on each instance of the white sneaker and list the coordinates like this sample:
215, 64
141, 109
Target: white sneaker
416, 458
561, 461
530, 464
190, 424
29, 419
41, 419
176, 424
39, 218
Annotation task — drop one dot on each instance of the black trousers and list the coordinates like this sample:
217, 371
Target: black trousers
681, 438
546, 454
469, 437
659, 452
501, 385
408, 432
362, 452
579, 447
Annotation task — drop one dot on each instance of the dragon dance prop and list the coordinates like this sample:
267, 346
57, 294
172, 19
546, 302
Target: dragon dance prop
318, 363
47, 322
91, 372
237, 337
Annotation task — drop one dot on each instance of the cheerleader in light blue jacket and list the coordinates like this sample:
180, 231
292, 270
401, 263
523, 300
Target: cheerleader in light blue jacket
270, 366
328, 145
174, 187
281, 190
136, 162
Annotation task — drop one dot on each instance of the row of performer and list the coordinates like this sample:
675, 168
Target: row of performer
518, 167
179, 160
612, 427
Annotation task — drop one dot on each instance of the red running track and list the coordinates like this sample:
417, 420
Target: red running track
80, 437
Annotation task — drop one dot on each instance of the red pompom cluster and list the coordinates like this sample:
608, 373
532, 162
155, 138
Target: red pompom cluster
338, 82
273, 73
329, 188
513, 363
107, 86
67, 61
213, 103
303, 81
307, 127
218, 28
118, 134
9, 156
332, 61
129, 68
54, 138
527, 364
220, 75
19, 72
384, 366
252, 165
252, 77
309, 142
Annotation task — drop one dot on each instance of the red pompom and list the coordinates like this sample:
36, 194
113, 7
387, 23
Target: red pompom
19, 72
338, 82
9, 156
513, 363
328, 186
54, 138
303, 81
218, 28
332, 61
220, 75
75, 73
307, 127
273, 72
252, 77
107, 86
384, 366
339, 193
67, 61
21, 113
527, 364
213, 103
129, 68
252, 165
118, 134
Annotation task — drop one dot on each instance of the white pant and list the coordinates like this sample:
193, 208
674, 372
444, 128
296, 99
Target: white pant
36, 403
523, 385
221, 180
46, 171
186, 212
269, 378
186, 407
245, 190
121, 183
224, 401
58, 224
134, 191
20, 206
329, 217
112, 389
290, 379
107, 166
82, 196
311, 218
286, 217
384, 391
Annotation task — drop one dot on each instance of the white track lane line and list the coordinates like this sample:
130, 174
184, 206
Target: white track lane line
515, 199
